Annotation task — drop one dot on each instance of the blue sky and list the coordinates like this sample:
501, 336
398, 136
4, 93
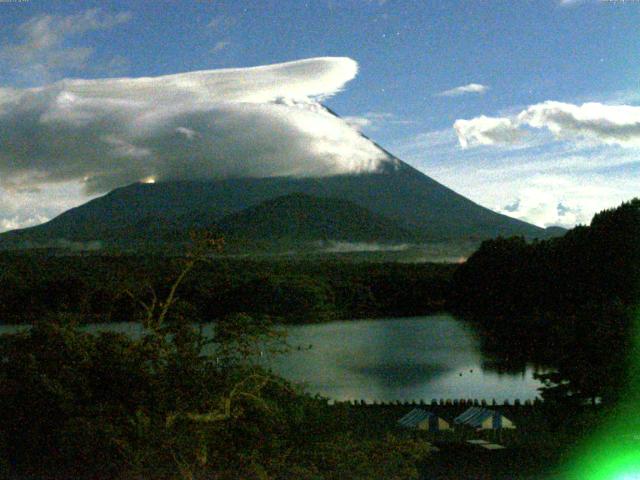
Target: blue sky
518, 54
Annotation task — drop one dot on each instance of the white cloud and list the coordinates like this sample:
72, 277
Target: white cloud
260, 121
347, 247
540, 179
187, 132
25, 207
42, 50
548, 200
443, 141
539, 204
374, 120
486, 131
221, 23
18, 221
219, 46
591, 122
569, 3
123, 149
117, 65
464, 89
358, 122
608, 124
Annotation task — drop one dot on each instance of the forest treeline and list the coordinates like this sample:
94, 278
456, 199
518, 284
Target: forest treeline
98, 288
568, 302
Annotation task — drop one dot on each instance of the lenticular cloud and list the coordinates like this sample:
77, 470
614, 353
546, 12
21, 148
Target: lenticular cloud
260, 121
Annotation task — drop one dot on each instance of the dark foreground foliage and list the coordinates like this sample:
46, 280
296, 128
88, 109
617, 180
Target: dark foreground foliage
568, 302
107, 406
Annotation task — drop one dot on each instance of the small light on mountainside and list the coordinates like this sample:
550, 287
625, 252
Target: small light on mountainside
149, 180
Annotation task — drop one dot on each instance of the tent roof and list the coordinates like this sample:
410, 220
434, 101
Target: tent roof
414, 417
474, 416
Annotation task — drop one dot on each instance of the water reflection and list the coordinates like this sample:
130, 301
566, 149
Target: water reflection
400, 375
400, 359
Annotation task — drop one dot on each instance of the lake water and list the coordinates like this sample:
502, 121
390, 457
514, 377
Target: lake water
419, 358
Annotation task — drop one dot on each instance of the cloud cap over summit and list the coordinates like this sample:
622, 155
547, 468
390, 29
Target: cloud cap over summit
255, 122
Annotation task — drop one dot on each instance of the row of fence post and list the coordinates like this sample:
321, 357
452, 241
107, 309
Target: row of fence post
462, 402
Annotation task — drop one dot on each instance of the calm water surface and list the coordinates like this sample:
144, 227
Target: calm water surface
417, 358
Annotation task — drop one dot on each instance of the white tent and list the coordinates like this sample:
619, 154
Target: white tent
418, 419
483, 419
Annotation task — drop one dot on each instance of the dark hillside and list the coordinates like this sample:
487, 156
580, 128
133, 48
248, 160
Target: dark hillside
408, 198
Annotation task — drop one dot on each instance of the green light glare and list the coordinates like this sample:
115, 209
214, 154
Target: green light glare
613, 453
613, 465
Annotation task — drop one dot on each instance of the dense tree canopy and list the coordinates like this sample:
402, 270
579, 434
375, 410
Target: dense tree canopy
94, 288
